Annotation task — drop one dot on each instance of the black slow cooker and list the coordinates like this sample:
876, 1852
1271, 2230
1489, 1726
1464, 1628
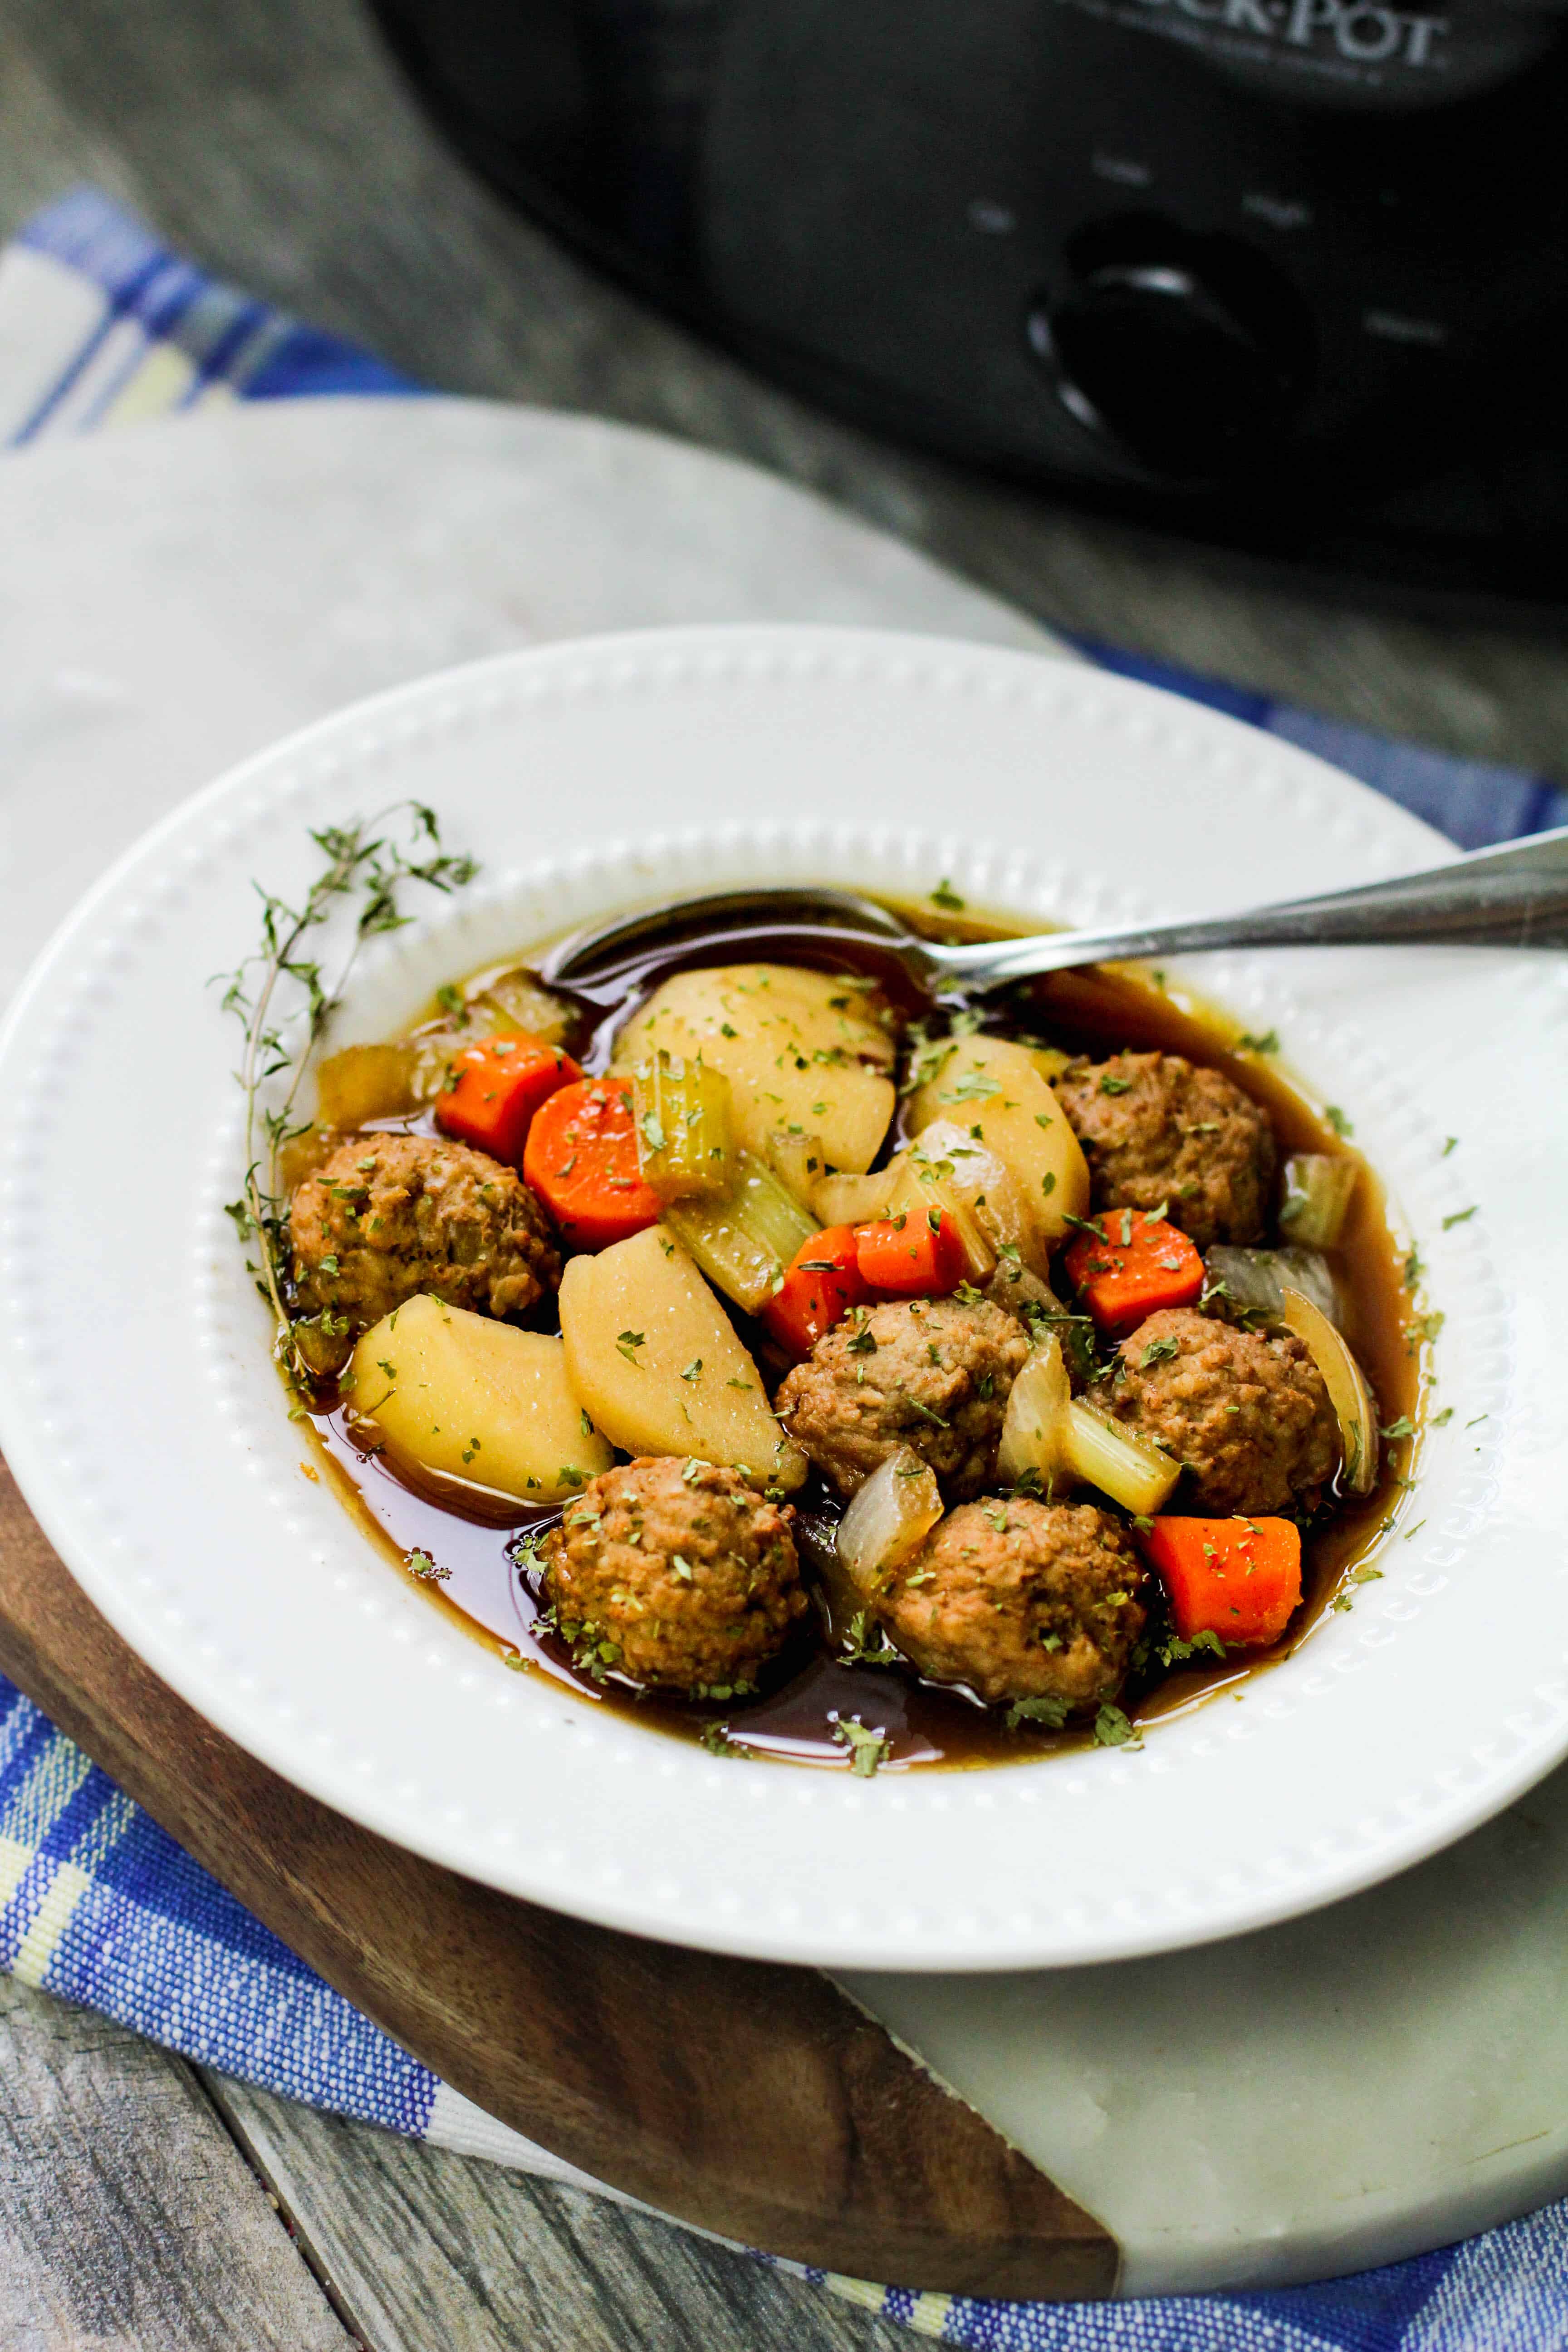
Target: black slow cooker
1286, 276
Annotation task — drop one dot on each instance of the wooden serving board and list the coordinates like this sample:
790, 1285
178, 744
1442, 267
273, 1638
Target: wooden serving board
756, 2101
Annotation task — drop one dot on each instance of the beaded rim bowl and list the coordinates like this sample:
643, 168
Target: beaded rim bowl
150, 1434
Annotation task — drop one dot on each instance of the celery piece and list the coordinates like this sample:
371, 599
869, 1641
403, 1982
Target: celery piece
743, 1243
1319, 1189
684, 1144
366, 1082
1119, 1461
512, 997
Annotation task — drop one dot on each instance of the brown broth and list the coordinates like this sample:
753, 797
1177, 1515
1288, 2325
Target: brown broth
790, 1719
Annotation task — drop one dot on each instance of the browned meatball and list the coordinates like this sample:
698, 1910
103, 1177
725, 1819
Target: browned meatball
1020, 1600
1156, 1129
390, 1215
1249, 1416
676, 1573
930, 1373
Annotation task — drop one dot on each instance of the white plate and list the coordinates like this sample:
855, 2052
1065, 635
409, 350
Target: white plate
147, 1429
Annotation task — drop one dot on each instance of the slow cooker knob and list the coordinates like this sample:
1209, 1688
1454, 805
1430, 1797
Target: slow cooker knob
1180, 379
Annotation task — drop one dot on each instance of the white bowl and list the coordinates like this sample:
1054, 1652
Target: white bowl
149, 1432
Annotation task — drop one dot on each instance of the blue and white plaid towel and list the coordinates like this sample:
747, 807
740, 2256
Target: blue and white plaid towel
101, 325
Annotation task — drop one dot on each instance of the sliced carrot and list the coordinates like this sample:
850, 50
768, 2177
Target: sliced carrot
1241, 1578
581, 1158
913, 1256
496, 1088
822, 1283
1128, 1265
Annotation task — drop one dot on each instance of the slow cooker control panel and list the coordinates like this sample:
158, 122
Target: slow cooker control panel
1183, 356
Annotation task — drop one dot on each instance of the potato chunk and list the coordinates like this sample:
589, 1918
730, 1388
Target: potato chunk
461, 1398
656, 1360
995, 1090
801, 1049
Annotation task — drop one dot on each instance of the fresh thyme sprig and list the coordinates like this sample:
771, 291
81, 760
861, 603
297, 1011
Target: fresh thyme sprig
360, 858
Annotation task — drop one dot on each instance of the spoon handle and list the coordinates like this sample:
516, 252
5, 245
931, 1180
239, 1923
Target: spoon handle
1513, 897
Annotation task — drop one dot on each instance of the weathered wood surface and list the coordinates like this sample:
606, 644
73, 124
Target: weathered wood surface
755, 2100
128, 2216
273, 141
429, 2250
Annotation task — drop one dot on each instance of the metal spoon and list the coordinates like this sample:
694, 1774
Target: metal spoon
1513, 897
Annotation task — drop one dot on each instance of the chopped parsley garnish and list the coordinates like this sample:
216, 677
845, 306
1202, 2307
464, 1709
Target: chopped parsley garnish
1337, 1119
1423, 1328
868, 1748
1114, 1729
975, 1086
865, 1644
1176, 1651
628, 1342
1402, 1427
947, 897
1459, 1217
1268, 1042
1051, 1713
1110, 1085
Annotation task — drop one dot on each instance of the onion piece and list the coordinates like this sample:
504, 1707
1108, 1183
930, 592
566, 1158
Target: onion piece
1123, 1463
1034, 1426
918, 1186
1254, 1280
988, 1188
846, 1200
1319, 1189
1347, 1388
1065, 1441
798, 1162
889, 1518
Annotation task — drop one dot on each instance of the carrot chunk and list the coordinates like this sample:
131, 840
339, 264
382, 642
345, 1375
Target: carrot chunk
822, 1283
581, 1159
497, 1086
1241, 1578
912, 1256
1128, 1265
